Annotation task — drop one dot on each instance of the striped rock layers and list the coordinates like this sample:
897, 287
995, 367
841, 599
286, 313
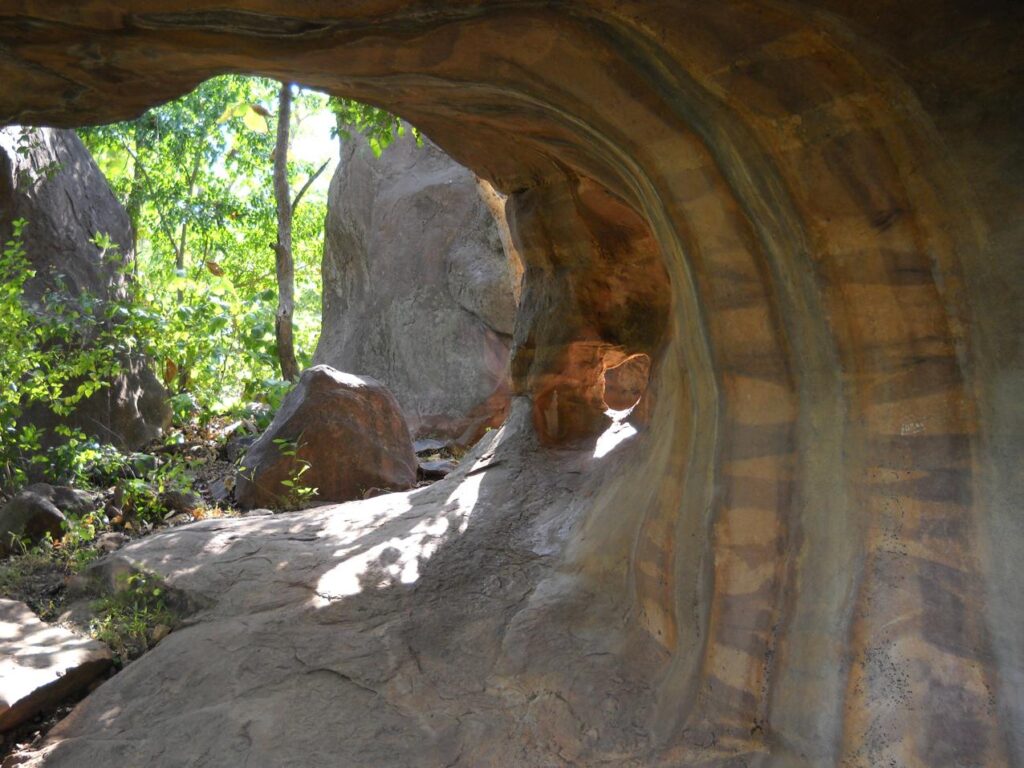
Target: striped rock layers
808, 216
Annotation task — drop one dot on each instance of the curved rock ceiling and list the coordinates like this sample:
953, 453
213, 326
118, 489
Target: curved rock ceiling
809, 216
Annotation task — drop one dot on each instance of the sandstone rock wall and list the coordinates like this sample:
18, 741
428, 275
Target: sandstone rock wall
418, 290
809, 554
49, 179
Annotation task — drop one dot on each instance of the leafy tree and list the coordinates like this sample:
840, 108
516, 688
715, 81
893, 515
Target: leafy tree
195, 178
208, 181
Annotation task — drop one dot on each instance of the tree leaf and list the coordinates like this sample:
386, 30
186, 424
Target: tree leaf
255, 122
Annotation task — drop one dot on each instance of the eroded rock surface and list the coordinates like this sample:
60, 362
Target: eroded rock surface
335, 432
805, 552
49, 179
418, 290
408, 629
41, 665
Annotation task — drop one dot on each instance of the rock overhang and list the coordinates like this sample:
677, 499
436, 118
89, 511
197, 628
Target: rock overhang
815, 248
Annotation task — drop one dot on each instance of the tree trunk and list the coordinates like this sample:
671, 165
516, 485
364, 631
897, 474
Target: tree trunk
283, 247
134, 207
185, 369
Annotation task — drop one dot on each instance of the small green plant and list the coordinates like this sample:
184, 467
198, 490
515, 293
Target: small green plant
103, 465
80, 531
273, 394
299, 493
134, 618
142, 500
183, 407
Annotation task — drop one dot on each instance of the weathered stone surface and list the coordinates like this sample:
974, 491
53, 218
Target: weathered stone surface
48, 178
350, 431
418, 290
437, 469
428, 445
40, 509
330, 602
808, 216
41, 665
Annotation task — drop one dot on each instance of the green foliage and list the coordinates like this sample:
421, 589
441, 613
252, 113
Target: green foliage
19, 358
299, 492
143, 496
143, 500
196, 177
69, 461
134, 618
379, 127
58, 351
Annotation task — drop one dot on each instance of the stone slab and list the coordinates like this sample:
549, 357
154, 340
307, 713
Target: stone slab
41, 664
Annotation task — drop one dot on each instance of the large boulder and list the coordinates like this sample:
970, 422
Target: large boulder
39, 510
418, 290
48, 178
349, 432
41, 665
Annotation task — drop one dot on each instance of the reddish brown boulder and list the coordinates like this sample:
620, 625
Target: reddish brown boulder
335, 432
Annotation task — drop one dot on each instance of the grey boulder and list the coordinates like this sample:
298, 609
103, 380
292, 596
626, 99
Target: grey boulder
49, 179
38, 510
419, 292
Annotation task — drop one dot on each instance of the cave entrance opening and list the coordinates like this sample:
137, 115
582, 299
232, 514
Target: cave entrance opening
403, 269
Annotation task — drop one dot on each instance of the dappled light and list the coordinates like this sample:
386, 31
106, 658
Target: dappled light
370, 563
394, 561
